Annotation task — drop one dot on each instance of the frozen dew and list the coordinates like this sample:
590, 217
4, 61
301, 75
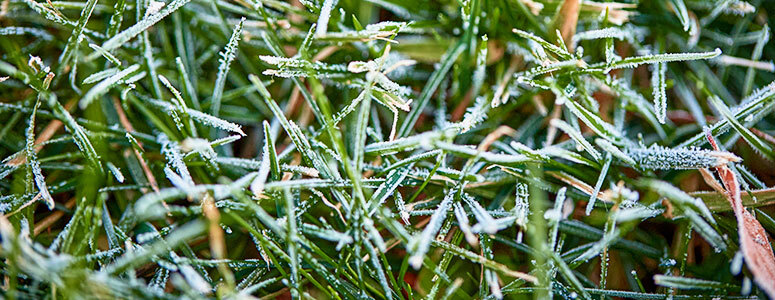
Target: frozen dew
659, 157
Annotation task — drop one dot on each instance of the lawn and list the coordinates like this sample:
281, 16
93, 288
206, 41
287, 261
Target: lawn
387, 149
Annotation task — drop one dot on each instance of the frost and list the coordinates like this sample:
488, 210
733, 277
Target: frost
462, 219
492, 282
227, 56
350, 107
594, 122
195, 280
393, 180
119, 39
740, 8
679, 7
547, 68
517, 49
555, 215
401, 206
225, 140
110, 57
102, 87
200, 117
562, 53
552, 215
37, 65
327, 234
658, 157
420, 244
745, 290
177, 180
201, 146
153, 7
387, 84
360, 66
98, 76
635, 213
249, 164
5, 207
521, 206
40, 182
257, 186
680, 198
485, 222
753, 105
576, 136
615, 151
325, 15
11, 30
628, 197
116, 172
658, 87
171, 151
387, 92
292, 67
608, 32
475, 114
33, 162
632, 62
47, 12
378, 31
311, 172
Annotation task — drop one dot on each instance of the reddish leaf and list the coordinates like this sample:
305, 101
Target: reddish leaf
753, 239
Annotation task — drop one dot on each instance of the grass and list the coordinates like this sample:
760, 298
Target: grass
324, 149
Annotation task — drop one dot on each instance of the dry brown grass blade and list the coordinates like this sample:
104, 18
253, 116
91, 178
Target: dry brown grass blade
578, 184
494, 136
770, 139
217, 236
52, 218
707, 176
129, 128
551, 132
4, 11
566, 20
753, 238
534, 7
618, 13
45, 135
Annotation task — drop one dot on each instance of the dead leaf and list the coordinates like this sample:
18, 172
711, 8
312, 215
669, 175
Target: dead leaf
753, 239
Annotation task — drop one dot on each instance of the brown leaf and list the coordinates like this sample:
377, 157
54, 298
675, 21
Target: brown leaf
753, 239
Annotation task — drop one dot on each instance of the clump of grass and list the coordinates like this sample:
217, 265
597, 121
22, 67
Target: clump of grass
387, 149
